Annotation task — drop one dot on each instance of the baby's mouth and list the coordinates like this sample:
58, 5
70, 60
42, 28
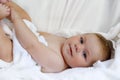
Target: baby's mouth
70, 50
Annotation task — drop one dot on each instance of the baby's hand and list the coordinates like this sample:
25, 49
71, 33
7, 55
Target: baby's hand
14, 15
4, 11
4, 1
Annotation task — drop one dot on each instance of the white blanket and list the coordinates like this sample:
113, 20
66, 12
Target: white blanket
24, 67
72, 15
107, 70
62, 16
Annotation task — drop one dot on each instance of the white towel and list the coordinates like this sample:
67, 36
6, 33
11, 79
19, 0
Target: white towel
23, 67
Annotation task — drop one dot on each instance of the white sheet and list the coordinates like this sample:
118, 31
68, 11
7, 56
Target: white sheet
80, 16
73, 15
23, 66
107, 70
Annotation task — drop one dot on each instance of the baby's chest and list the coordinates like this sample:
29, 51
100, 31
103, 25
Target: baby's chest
54, 43
55, 46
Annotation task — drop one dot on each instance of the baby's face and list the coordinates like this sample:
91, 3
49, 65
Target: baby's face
82, 50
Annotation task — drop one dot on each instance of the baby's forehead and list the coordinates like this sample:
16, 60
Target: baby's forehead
89, 35
93, 44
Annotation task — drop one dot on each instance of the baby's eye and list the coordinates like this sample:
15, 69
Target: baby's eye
81, 40
84, 54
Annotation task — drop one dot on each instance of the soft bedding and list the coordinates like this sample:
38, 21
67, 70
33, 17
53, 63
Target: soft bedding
66, 18
23, 66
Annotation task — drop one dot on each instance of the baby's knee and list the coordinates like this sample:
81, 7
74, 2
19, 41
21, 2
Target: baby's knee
6, 57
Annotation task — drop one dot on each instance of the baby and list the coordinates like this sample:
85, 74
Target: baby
61, 53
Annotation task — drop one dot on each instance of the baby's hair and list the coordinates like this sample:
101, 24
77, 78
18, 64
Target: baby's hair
107, 47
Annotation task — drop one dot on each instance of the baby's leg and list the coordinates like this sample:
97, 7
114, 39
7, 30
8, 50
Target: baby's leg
6, 47
6, 52
4, 11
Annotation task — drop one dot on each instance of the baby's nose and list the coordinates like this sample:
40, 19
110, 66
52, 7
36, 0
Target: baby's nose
79, 47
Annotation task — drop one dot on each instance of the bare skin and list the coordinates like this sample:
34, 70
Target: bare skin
6, 50
61, 53
4, 11
23, 14
4, 1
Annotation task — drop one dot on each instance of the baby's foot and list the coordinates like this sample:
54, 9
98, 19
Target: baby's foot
4, 11
4, 1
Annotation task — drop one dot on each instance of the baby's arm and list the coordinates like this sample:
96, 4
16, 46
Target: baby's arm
43, 55
24, 35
